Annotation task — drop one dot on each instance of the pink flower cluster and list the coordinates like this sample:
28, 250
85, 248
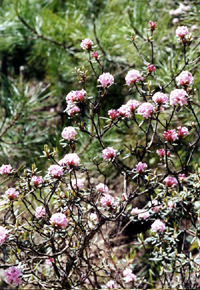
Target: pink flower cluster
132, 77
75, 96
170, 181
40, 212
12, 193
3, 235
106, 79
107, 201
5, 169
185, 78
150, 68
182, 131
181, 31
69, 133
145, 110
152, 25
77, 183
13, 276
55, 170
102, 188
142, 213
70, 160
113, 114
108, 153
112, 284
171, 135
37, 180
59, 220
161, 152
140, 167
160, 98
154, 205
158, 226
178, 97
86, 44
129, 276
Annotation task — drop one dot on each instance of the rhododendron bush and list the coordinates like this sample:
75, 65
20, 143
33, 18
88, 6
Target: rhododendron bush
65, 229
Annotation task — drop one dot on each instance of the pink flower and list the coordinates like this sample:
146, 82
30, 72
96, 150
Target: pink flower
132, 105
102, 188
59, 220
125, 111
107, 201
160, 98
70, 160
154, 205
55, 170
69, 133
13, 276
181, 177
75, 96
113, 114
86, 44
3, 235
171, 204
178, 96
112, 284
140, 167
40, 212
158, 226
175, 20
181, 31
170, 181
150, 68
72, 110
95, 54
37, 180
132, 77
144, 214
182, 131
12, 193
185, 78
5, 169
108, 153
106, 79
129, 276
152, 25
135, 210
145, 110
77, 183
161, 152
170, 135
49, 262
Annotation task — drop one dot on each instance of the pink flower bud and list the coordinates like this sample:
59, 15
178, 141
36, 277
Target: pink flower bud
182, 177
95, 54
150, 68
107, 201
37, 180
113, 114
152, 25
181, 31
40, 212
161, 152
182, 131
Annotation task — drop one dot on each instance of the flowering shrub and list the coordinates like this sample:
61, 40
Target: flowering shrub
60, 232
